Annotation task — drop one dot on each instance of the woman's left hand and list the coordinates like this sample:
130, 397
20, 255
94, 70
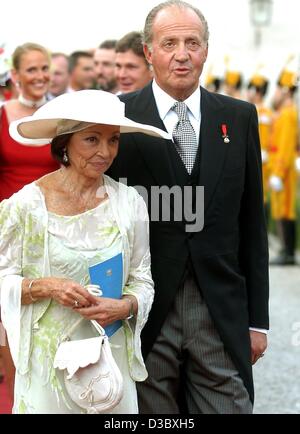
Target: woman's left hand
106, 311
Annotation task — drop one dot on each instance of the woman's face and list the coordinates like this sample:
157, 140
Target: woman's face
92, 151
33, 75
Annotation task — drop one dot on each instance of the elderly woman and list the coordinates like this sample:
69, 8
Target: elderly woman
53, 230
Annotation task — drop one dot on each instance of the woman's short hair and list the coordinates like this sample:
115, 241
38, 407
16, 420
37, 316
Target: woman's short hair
59, 146
26, 48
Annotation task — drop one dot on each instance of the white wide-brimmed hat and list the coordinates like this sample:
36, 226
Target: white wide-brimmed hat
76, 111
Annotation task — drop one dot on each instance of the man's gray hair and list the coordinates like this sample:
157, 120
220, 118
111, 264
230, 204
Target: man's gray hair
148, 35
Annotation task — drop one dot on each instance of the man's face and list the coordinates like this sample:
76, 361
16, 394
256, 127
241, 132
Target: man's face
178, 51
104, 67
132, 72
59, 75
83, 74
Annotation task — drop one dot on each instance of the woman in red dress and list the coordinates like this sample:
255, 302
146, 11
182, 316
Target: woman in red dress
21, 164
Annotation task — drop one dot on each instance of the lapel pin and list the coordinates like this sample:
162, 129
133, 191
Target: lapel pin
224, 133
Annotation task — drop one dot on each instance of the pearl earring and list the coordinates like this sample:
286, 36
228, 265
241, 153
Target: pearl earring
65, 157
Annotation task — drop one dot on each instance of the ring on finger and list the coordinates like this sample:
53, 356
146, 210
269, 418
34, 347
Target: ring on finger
76, 303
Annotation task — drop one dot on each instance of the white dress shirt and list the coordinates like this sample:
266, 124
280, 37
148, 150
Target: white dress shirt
165, 102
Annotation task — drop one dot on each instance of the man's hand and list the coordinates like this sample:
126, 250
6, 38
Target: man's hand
258, 345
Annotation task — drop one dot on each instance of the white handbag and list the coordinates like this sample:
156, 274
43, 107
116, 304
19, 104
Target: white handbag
91, 375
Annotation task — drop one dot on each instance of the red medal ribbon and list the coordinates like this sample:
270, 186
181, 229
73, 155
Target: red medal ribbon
224, 130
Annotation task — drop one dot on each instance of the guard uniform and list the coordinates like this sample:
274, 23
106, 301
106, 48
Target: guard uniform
283, 175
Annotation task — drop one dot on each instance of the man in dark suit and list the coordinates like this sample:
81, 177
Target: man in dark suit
210, 314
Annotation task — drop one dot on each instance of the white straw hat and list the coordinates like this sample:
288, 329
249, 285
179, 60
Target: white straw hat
76, 111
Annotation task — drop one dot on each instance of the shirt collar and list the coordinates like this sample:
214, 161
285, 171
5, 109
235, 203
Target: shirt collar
165, 102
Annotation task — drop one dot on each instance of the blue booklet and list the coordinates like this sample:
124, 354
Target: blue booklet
109, 276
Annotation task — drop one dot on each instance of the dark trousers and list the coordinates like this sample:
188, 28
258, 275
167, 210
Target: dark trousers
188, 358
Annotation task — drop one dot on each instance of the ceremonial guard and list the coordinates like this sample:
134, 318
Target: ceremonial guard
283, 179
233, 80
257, 89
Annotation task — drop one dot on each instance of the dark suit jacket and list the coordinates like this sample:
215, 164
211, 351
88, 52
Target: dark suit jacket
230, 255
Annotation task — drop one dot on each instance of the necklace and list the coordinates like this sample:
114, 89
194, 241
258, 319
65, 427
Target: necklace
76, 199
32, 104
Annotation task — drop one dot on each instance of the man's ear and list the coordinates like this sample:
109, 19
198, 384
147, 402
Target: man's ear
206, 53
148, 54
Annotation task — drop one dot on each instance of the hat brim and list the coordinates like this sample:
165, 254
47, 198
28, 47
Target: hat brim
41, 131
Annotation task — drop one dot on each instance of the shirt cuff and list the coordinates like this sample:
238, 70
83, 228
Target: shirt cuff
264, 331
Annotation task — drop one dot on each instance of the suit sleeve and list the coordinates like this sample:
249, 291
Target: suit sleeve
253, 251
139, 284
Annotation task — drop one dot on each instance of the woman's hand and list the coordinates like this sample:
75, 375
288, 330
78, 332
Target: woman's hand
106, 310
66, 292
70, 293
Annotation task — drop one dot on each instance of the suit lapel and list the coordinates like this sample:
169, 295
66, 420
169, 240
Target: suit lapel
155, 151
159, 153
213, 149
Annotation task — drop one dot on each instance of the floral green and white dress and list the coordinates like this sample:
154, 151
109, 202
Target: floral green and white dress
70, 245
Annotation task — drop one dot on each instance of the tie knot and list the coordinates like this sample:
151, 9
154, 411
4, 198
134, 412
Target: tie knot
181, 109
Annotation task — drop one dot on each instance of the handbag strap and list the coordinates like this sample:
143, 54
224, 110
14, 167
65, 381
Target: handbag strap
70, 330
98, 327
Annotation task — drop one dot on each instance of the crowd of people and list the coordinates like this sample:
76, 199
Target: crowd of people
279, 138
190, 335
